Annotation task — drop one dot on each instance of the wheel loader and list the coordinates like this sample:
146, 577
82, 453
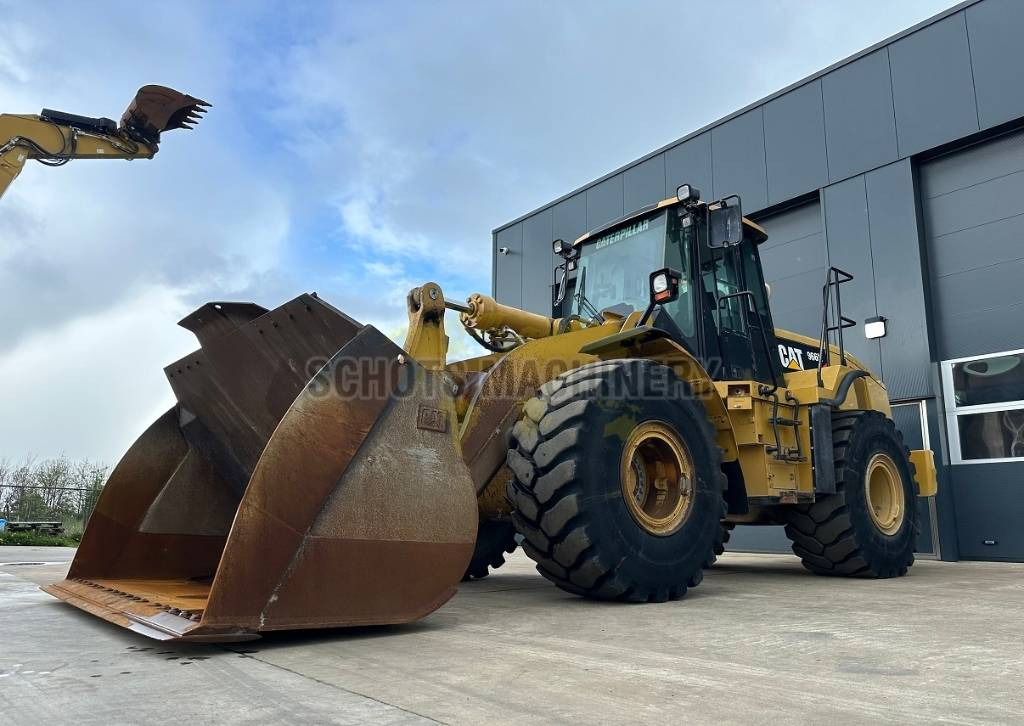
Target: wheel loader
315, 474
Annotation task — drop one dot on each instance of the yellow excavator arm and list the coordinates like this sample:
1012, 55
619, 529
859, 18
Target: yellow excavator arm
54, 138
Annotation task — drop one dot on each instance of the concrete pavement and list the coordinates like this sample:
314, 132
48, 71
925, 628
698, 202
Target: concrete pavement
760, 640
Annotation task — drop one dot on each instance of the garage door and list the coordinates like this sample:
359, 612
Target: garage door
973, 205
795, 260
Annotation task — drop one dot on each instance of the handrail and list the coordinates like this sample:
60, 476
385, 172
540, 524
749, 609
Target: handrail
834, 277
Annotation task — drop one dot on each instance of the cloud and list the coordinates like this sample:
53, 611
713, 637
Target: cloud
435, 124
357, 149
89, 386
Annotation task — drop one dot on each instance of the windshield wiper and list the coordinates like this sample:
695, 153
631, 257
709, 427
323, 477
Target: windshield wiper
584, 305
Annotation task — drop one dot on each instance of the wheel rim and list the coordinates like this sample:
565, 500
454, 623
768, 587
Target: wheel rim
883, 489
657, 477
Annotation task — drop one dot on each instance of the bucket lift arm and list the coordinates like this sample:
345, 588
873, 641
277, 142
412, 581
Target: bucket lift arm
54, 138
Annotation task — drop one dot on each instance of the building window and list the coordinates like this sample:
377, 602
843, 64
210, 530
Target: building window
985, 407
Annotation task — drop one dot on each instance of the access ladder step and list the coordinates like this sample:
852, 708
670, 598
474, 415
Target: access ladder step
784, 421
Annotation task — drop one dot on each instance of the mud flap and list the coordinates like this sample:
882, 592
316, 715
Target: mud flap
271, 498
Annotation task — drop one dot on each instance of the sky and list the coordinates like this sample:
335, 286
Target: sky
355, 149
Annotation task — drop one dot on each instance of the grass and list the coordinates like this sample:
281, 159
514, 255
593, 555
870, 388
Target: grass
35, 539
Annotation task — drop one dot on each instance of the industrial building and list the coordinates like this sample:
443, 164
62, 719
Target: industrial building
904, 165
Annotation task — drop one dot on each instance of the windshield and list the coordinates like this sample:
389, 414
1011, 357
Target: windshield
615, 268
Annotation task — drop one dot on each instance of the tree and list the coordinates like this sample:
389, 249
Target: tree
51, 489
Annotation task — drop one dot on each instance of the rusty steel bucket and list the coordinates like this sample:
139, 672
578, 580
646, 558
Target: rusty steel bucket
156, 109
308, 477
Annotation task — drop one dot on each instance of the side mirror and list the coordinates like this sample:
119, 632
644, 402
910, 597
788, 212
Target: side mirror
725, 224
664, 289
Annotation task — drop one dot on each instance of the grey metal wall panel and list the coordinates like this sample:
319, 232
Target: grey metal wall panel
804, 254
989, 507
932, 85
644, 184
568, 222
972, 202
980, 311
971, 332
569, 218
508, 284
796, 292
794, 260
982, 245
860, 126
805, 320
538, 262
759, 539
792, 225
737, 153
899, 280
690, 163
794, 142
604, 202
984, 203
995, 28
999, 157
849, 248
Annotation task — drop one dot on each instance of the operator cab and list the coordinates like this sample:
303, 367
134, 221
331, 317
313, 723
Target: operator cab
721, 313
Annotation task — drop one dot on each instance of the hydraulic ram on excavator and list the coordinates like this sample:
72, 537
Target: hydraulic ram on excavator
54, 138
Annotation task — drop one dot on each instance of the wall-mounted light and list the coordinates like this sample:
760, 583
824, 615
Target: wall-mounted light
875, 327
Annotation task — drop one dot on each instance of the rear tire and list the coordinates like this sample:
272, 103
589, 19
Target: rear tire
867, 528
727, 528
568, 456
494, 539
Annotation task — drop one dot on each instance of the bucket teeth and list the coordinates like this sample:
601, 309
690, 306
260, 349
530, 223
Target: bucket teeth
156, 109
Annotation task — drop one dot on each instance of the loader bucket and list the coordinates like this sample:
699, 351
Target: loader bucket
307, 477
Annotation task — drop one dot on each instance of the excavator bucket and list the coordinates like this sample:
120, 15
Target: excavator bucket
307, 477
156, 109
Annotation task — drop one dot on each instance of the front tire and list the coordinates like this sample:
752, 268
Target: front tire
618, 488
494, 539
868, 527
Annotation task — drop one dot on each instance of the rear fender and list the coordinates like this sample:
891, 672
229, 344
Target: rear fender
924, 472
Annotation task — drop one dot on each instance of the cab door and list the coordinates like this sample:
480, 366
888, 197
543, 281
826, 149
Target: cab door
742, 343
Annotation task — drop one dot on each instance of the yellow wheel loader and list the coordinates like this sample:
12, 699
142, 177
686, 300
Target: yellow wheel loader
315, 474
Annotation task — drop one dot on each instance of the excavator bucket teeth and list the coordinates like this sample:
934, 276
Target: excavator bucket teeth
156, 109
308, 477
